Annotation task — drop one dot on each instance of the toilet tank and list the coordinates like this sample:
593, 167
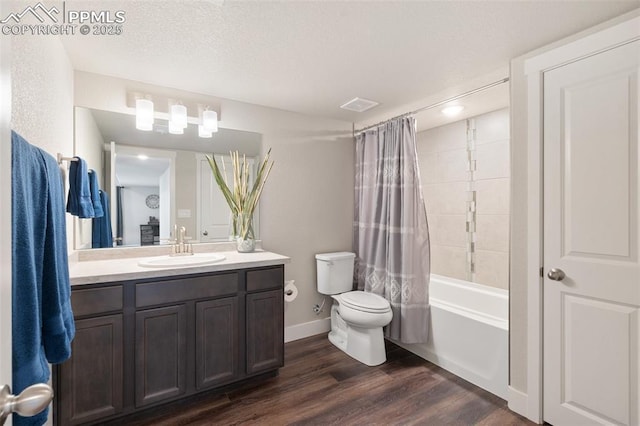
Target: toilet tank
335, 272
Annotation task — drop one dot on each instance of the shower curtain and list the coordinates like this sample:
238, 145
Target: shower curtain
391, 235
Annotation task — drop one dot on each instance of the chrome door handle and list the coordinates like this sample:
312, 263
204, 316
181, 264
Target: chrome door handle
556, 274
205, 233
30, 402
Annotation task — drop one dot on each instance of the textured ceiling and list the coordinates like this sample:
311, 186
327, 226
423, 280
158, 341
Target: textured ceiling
313, 56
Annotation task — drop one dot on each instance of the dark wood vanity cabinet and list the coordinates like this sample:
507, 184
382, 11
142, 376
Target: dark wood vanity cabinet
90, 386
140, 344
265, 339
217, 342
161, 354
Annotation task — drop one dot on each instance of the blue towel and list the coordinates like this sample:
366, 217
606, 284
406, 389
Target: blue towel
101, 235
94, 188
79, 202
43, 326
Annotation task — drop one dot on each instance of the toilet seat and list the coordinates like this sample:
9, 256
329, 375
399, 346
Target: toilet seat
365, 302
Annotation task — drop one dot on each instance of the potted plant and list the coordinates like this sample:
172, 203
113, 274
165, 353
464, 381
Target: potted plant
242, 197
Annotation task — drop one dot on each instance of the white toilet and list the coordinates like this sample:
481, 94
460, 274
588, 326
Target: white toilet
357, 317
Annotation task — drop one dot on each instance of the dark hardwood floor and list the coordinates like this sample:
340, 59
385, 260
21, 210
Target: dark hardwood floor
320, 385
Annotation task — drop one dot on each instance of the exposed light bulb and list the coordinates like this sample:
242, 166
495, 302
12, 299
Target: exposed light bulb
204, 133
210, 121
178, 115
452, 110
144, 114
143, 157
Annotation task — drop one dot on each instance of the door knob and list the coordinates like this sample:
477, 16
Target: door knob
556, 274
30, 402
205, 233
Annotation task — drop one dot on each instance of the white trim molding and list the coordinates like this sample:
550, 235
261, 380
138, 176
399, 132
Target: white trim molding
609, 35
518, 401
306, 329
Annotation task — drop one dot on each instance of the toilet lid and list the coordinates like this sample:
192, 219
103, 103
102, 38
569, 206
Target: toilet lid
364, 301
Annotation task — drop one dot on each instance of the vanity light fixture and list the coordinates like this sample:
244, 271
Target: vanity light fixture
452, 110
178, 115
175, 111
209, 121
144, 114
204, 133
175, 129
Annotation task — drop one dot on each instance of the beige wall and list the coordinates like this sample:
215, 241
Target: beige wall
42, 97
308, 209
443, 157
307, 205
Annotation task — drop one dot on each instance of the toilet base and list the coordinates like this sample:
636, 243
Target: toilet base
363, 344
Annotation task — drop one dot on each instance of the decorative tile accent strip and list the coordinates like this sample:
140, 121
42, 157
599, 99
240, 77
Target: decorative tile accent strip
471, 198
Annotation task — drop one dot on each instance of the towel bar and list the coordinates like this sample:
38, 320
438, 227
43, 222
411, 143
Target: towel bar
61, 158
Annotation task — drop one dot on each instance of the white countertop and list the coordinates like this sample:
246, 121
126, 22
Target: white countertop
102, 271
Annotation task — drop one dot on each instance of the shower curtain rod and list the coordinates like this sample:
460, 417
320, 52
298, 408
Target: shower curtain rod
437, 104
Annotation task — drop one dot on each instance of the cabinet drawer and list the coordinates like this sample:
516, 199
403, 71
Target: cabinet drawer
179, 290
92, 301
265, 279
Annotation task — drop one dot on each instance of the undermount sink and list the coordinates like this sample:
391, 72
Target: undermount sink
193, 260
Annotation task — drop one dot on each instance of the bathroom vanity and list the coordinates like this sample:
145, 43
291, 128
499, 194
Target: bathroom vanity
158, 336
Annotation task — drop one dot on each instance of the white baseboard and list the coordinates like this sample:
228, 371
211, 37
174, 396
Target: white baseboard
517, 401
306, 329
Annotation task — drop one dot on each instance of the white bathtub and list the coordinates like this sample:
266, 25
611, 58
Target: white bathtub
468, 333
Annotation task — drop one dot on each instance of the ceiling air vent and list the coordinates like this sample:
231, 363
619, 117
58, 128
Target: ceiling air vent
359, 105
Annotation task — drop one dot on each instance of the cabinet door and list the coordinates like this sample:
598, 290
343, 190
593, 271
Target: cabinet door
91, 381
161, 354
216, 342
265, 334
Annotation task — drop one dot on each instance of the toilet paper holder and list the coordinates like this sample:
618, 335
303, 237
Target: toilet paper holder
290, 291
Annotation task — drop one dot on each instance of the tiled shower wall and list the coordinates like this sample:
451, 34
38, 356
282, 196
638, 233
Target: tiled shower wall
464, 168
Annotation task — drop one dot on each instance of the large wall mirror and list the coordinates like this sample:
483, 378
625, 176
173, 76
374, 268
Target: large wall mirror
155, 179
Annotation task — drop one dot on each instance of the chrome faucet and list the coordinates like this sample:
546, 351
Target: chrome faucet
179, 245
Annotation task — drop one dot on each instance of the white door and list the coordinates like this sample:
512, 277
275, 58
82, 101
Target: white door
591, 358
214, 216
